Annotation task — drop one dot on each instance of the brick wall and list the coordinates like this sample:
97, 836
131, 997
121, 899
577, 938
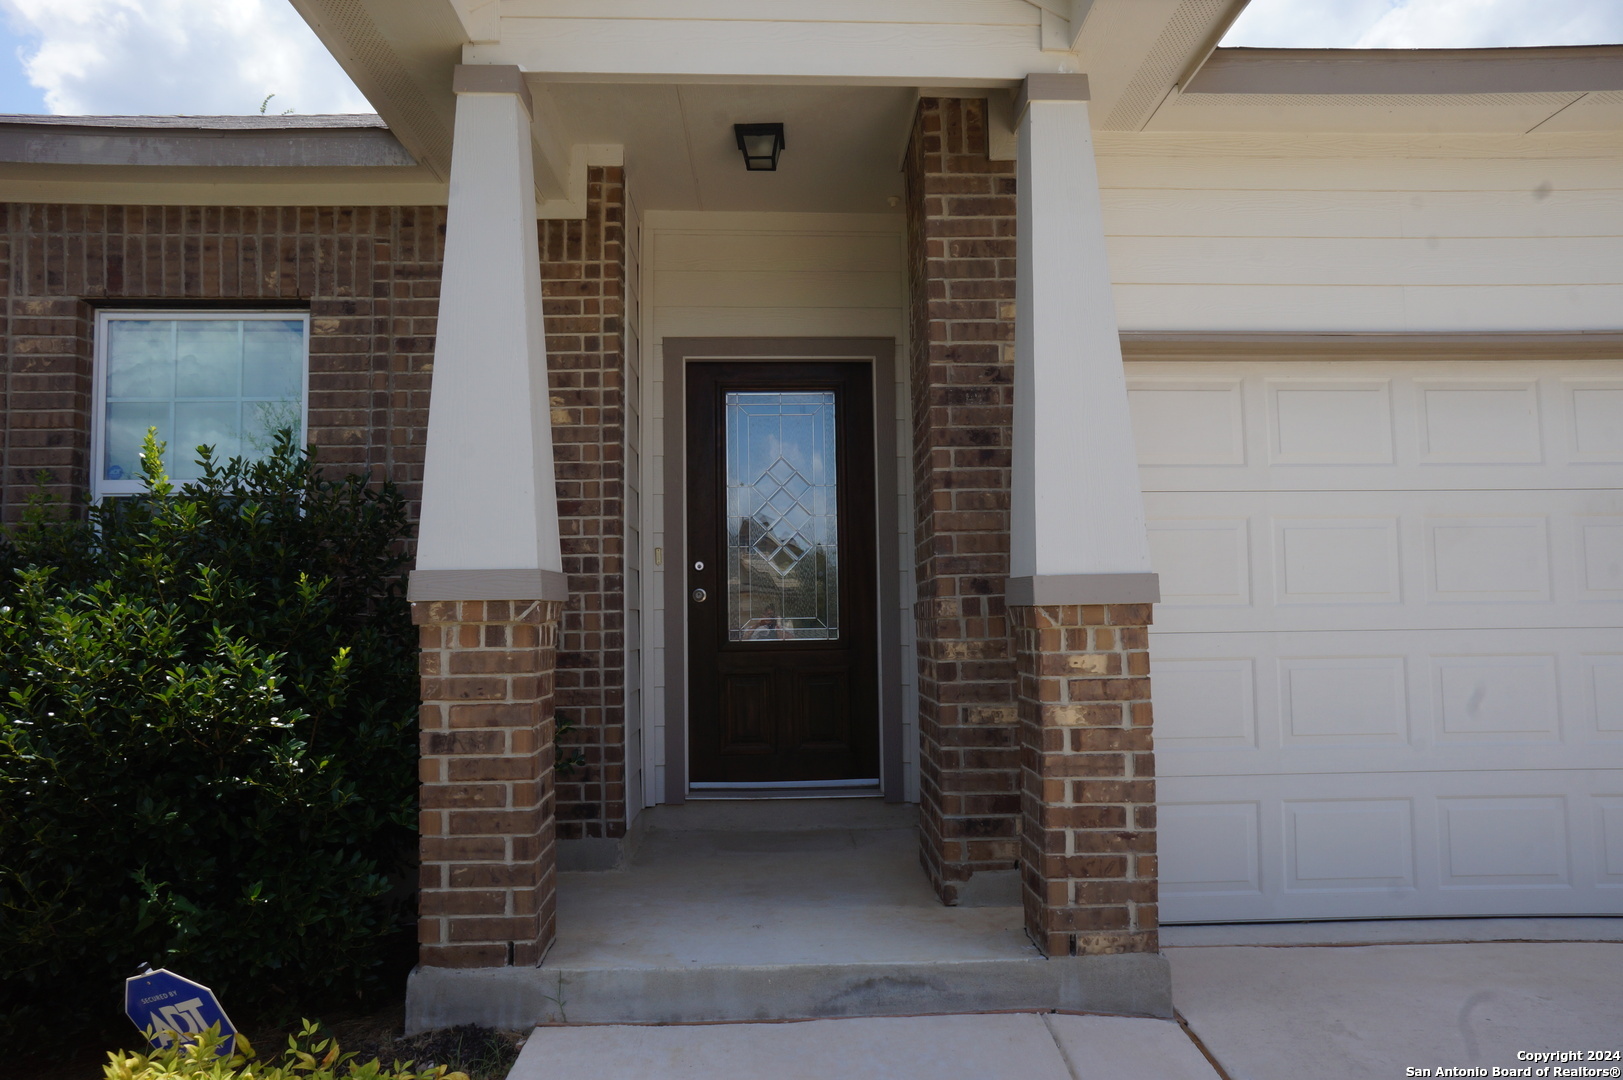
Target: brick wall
370, 278
583, 283
369, 275
1088, 778
961, 258
488, 878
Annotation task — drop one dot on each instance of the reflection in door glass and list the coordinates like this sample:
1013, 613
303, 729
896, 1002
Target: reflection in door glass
783, 571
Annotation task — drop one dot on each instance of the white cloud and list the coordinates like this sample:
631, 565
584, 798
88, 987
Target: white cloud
1484, 24
163, 57
1426, 24
1303, 24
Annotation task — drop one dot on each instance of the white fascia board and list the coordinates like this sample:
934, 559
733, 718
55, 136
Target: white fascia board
1062, 8
1077, 15
701, 50
1062, 23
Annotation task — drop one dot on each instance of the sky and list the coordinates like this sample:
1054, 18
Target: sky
163, 57
202, 57
1426, 24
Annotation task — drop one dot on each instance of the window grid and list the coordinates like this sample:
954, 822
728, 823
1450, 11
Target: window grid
204, 403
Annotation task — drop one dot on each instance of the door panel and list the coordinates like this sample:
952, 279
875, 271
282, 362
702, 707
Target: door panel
782, 620
746, 711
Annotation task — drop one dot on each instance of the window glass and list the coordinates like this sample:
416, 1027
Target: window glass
783, 572
229, 383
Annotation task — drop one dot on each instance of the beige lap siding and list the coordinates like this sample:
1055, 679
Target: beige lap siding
961, 260
370, 277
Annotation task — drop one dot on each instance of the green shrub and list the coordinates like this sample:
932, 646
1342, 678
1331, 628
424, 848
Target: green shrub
207, 740
308, 1057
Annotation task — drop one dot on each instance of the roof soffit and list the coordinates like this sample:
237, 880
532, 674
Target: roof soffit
1137, 53
401, 54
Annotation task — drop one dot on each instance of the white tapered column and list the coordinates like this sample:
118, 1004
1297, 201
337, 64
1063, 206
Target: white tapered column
1077, 534
489, 528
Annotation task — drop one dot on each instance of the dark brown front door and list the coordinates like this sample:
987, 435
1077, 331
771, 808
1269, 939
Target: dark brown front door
782, 620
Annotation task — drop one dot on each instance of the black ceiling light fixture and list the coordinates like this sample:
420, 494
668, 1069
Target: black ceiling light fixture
760, 144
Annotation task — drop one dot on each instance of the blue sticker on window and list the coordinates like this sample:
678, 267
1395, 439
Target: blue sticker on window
115, 472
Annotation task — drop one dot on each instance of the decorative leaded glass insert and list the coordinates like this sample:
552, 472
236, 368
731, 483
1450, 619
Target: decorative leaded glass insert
783, 563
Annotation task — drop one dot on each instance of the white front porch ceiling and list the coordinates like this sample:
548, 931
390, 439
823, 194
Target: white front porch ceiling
666, 79
843, 143
401, 53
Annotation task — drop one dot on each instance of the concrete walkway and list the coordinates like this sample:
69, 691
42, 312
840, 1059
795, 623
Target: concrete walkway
996, 1046
1349, 1008
1331, 1001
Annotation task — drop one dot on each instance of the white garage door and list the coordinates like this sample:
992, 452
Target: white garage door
1387, 667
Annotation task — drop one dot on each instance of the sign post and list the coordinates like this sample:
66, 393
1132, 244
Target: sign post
166, 1006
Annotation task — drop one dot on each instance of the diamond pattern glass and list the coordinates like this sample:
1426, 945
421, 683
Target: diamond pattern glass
783, 563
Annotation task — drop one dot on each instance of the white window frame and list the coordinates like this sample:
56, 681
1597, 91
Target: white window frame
100, 487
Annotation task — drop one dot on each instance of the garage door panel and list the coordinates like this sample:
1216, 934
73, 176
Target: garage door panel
1466, 421
1594, 411
1600, 693
1315, 421
1500, 840
1236, 561
1386, 701
1392, 426
1341, 700
1341, 845
1459, 843
1207, 703
1388, 665
1211, 848
1607, 812
1600, 558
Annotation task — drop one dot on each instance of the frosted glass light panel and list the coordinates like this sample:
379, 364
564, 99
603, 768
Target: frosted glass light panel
783, 561
229, 382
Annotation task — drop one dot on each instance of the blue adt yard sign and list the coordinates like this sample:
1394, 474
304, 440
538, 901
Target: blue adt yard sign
164, 1004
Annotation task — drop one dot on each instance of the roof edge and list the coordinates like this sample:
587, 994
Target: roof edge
304, 122
1540, 70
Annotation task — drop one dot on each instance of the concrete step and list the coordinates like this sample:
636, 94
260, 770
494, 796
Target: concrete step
780, 910
514, 998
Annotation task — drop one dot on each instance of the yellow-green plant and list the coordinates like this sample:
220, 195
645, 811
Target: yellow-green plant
308, 1057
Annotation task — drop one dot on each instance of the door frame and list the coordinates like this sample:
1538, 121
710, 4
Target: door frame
880, 354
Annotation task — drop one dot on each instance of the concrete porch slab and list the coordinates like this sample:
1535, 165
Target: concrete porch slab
782, 913
982, 1047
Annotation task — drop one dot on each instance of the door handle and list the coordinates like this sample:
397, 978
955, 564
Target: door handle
699, 596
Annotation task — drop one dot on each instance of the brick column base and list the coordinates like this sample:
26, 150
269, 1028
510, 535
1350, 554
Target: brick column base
1087, 853
488, 891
